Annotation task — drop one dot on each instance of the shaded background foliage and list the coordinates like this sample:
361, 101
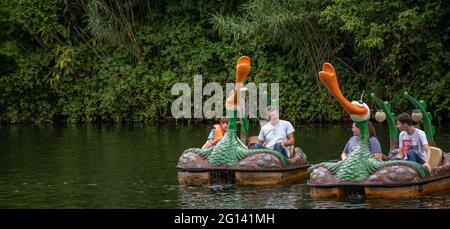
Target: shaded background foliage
111, 60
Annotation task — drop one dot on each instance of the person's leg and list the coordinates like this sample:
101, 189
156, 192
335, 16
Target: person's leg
413, 156
278, 147
257, 146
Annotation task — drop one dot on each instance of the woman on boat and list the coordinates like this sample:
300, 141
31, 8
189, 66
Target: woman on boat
375, 146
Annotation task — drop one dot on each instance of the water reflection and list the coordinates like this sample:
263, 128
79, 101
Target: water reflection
437, 200
292, 196
133, 166
245, 197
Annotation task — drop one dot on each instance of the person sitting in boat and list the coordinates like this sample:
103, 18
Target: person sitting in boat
216, 134
276, 134
375, 146
413, 143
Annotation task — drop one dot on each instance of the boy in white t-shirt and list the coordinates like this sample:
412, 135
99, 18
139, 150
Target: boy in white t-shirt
413, 142
276, 134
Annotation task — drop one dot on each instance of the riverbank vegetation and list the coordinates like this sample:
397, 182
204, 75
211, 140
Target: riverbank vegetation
111, 60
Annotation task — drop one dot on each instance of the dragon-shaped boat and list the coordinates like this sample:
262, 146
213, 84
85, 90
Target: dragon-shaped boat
231, 161
361, 174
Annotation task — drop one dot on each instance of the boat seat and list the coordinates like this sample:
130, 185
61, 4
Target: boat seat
436, 156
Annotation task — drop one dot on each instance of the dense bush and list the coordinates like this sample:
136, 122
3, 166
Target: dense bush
109, 60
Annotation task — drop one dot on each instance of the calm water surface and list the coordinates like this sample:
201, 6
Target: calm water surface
133, 166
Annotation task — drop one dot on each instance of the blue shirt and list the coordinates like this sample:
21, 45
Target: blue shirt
211, 135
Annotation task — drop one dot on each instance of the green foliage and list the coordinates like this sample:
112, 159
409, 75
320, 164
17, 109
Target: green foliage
110, 60
384, 47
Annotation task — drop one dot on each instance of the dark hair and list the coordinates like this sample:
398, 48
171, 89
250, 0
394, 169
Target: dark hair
372, 132
405, 118
223, 120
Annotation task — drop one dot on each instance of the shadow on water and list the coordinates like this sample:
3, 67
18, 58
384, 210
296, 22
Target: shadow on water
133, 166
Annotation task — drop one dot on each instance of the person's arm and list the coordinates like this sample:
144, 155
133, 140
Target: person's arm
261, 137
375, 147
400, 153
290, 135
424, 141
400, 146
345, 151
378, 155
290, 140
209, 142
206, 145
212, 143
426, 147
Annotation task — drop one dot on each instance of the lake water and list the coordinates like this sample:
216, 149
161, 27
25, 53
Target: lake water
133, 166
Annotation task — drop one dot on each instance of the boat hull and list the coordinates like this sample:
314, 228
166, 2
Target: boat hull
438, 181
387, 191
242, 176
